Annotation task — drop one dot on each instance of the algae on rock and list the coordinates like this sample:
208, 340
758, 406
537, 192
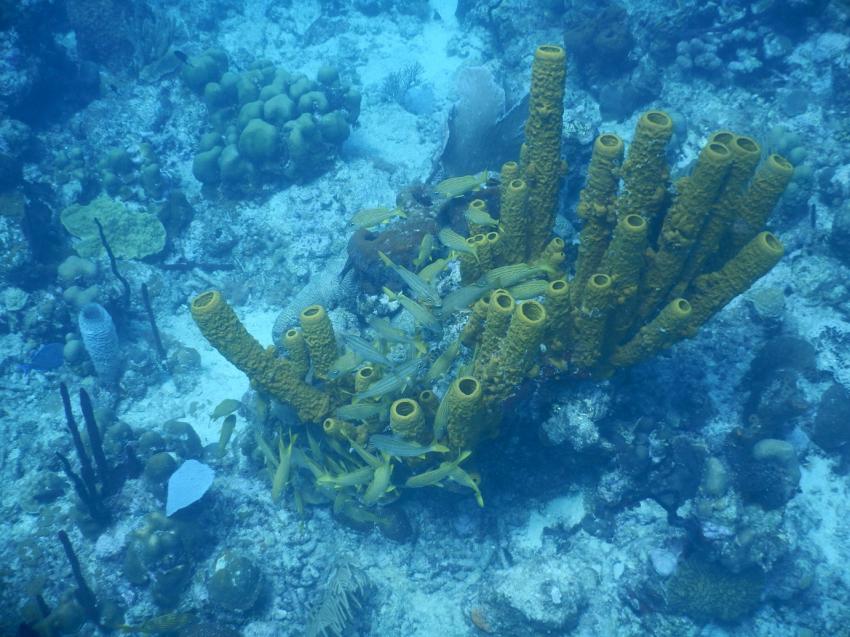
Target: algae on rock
131, 234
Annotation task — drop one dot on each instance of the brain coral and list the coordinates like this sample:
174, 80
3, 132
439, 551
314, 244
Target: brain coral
705, 592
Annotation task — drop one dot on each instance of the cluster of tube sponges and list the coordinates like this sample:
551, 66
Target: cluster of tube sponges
652, 266
651, 269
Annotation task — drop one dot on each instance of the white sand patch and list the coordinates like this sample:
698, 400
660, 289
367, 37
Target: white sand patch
826, 497
217, 379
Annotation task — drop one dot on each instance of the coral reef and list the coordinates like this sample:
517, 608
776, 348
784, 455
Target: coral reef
638, 246
600, 41
457, 386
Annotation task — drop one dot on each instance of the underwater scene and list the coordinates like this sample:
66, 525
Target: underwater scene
427, 318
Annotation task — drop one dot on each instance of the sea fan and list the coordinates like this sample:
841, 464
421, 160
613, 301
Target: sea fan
343, 596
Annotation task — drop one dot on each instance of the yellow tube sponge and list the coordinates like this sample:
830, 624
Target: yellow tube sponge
711, 292
596, 208
364, 377
683, 224
278, 376
500, 309
624, 261
523, 158
543, 130
429, 402
514, 221
494, 246
482, 249
761, 197
559, 324
510, 171
590, 321
475, 323
645, 172
745, 157
553, 255
407, 420
470, 268
518, 352
672, 324
321, 341
475, 207
296, 350
344, 430
465, 413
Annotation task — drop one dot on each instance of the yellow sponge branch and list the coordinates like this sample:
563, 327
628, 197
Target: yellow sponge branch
500, 309
296, 350
278, 376
671, 325
543, 130
513, 220
407, 420
683, 223
645, 172
597, 208
711, 292
321, 341
364, 377
475, 323
745, 157
465, 406
558, 310
764, 192
624, 262
590, 321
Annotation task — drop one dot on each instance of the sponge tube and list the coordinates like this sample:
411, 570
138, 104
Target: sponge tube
278, 376
543, 130
597, 209
101, 341
645, 172
711, 292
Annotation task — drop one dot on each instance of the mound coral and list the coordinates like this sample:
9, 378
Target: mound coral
266, 122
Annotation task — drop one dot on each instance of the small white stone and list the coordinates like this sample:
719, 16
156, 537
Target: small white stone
619, 568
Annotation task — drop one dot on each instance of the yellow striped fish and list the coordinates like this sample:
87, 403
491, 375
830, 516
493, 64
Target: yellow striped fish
459, 186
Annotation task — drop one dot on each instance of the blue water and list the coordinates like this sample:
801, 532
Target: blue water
460, 318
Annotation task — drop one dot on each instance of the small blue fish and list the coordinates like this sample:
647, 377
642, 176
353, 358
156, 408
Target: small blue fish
46, 358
